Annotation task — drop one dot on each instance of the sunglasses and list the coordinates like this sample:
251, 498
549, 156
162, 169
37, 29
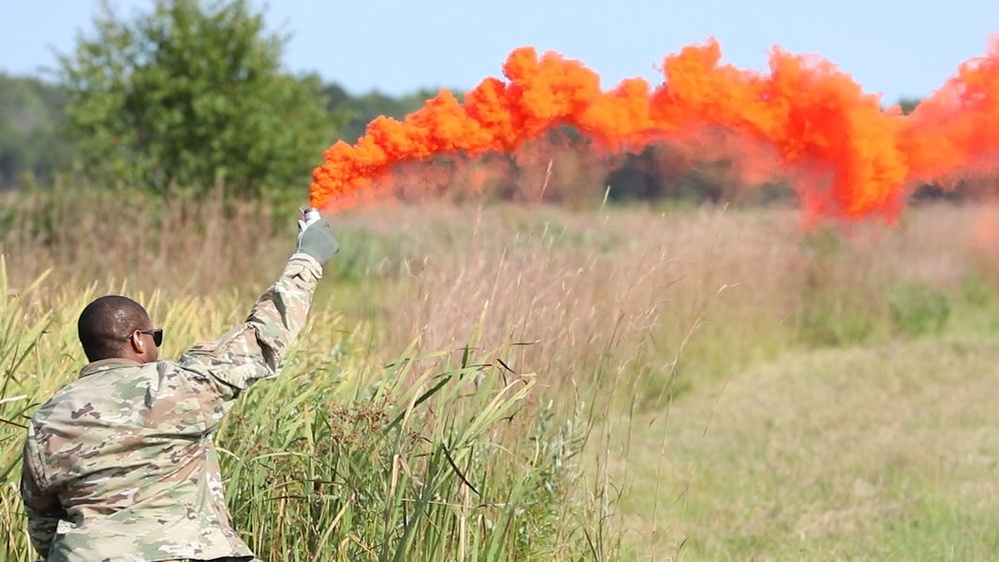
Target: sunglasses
157, 334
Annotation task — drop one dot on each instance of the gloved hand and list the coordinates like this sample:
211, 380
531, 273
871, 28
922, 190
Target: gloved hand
317, 240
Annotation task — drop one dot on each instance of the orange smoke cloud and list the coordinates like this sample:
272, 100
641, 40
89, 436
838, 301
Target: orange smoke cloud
958, 127
849, 157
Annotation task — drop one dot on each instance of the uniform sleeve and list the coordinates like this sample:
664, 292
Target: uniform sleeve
255, 349
42, 508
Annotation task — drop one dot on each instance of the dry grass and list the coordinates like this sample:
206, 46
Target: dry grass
107, 238
620, 292
651, 310
624, 291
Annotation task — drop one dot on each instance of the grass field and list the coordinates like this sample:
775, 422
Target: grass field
694, 384
880, 453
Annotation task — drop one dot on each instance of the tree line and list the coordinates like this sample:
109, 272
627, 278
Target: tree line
34, 146
192, 94
180, 98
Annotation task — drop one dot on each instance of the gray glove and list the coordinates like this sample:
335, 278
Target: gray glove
317, 240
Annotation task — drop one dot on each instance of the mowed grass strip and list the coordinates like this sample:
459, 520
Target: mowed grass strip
882, 453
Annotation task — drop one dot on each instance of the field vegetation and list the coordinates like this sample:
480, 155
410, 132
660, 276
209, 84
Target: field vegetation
493, 382
553, 354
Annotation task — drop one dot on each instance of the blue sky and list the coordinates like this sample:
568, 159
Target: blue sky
892, 47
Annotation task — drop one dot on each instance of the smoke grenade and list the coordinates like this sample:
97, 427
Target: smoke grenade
310, 216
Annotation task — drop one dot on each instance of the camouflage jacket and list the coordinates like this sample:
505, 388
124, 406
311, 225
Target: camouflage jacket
120, 464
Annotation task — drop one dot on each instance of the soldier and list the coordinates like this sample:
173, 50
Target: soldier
120, 465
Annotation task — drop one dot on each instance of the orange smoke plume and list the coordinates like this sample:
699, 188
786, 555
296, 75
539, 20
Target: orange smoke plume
849, 157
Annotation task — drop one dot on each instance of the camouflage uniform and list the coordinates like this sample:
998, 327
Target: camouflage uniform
120, 464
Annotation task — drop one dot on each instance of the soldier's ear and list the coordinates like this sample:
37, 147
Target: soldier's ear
136, 342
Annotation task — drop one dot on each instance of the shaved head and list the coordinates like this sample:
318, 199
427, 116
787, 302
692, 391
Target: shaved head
106, 324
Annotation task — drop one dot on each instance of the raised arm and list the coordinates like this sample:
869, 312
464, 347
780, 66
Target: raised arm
256, 348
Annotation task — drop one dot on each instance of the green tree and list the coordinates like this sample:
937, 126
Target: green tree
358, 111
31, 149
908, 105
189, 95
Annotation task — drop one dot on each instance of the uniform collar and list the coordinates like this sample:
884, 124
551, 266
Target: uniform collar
105, 364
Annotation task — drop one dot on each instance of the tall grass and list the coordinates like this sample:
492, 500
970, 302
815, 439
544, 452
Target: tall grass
456, 392
656, 300
344, 458
92, 235
636, 297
